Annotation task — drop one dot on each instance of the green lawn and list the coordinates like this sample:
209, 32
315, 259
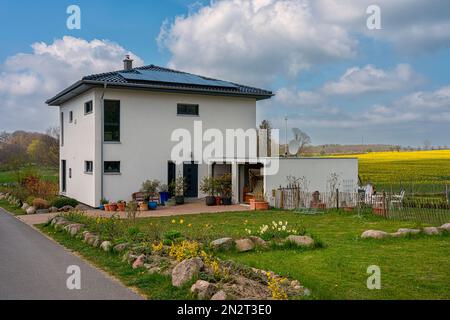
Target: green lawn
5, 205
50, 174
411, 268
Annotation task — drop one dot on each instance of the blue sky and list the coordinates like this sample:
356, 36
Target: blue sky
334, 78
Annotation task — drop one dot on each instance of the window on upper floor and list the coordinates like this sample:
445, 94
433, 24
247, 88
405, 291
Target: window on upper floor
61, 123
111, 167
112, 121
88, 166
88, 107
187, 109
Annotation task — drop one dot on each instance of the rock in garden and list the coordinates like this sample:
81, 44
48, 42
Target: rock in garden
73, 228
139, 262
303, 241
431, 231
219, 295
258, 241
82, 207
185, 270
53, 209
25, 206
65, 209
42, 211
31, 210
243, 245
121, 247
375, 234
203, 289
405, 231
106, 246
446, 226
222, 243
56, 219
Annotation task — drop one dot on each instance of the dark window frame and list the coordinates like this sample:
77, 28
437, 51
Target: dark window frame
88, 166
187, 109
90, 109
70, 116
111, 171
62, 128
107, 126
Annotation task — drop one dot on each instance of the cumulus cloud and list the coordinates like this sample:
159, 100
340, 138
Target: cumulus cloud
370, 79
28, 79
254, 41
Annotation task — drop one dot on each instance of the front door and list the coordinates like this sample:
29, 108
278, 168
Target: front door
190, 174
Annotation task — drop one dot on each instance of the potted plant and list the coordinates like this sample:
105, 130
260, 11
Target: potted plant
259, 202
226, 191
121, 205
143, 206
150, 188
209, 186
103, 202
163, 194
179, 187
113, 206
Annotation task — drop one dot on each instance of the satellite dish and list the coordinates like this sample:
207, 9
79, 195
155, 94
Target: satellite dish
294, 146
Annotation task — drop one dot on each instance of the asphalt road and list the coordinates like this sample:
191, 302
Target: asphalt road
34, 267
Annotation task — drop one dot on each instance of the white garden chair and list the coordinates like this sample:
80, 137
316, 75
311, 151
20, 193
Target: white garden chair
397, 200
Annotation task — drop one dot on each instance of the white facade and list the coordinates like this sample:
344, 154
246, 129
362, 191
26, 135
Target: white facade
147, 120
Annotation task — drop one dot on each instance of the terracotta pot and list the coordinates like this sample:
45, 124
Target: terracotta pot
121, 206
218, 200
143, 206
113, 207
106, 207
258, 205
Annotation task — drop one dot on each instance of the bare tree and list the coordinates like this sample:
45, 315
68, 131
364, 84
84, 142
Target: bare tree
302, 138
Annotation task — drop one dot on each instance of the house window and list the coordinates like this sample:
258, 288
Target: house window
70, 116
88, 166
112, 167
88, 107
112, 121
70, 173
61, 120
187, 109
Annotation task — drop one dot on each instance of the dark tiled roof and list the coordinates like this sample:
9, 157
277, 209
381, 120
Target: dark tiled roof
120, 79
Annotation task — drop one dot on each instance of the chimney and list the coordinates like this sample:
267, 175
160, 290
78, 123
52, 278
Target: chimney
127, 63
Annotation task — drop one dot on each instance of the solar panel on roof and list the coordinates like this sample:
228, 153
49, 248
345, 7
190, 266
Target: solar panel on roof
173, 77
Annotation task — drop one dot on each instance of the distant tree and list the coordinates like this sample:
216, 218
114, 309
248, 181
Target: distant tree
265, 124
44, 150
302, 138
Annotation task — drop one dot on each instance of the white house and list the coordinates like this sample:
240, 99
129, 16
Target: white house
116, 132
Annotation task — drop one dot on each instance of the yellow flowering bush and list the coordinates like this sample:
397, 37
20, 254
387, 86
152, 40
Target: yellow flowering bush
157, 247
275, 286
184, 250
219, 272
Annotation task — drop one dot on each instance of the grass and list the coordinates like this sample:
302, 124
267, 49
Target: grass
47, 173
152, 286
16, 211
411, 268
416, 171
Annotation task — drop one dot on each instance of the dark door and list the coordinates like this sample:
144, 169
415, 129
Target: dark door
171, 171
190, 174
63, 175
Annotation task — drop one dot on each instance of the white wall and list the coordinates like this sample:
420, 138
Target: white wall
79, 145
316, 170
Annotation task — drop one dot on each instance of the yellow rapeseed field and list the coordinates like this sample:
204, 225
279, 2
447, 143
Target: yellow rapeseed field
427, 171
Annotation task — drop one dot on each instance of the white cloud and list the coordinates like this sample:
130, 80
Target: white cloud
28, 79
254, 41
426, 101
370, 79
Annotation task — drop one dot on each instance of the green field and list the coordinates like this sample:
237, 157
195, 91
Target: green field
411, 268
9, 176
417, 171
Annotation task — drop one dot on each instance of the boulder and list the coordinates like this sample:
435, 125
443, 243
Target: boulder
375, 234
243, 245
31, 210
405, 231
186, 270
106, 246
25, 206
431, 231
73, 228
302, 241
219, 295
60, 224
446, 227
95, 242
65, 209
53, 209
222, 243
42, 211
139, 262
56, 219
82, 207
258, 241
121, 247
203, 289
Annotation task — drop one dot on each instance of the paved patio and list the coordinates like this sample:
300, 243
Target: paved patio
194, 207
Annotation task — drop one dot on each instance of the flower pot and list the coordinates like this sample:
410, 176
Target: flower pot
218, 201
143, 206
210, 201
226, 201
258, 205
106, 207
163, 197
179, 199
152, 205
102, 207
113, 207
121, 206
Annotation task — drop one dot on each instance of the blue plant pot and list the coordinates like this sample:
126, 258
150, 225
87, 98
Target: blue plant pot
152, 205
163, 197
102, 207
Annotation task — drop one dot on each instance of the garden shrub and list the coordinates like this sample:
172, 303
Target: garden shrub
60, 202
39, 203
172, 235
